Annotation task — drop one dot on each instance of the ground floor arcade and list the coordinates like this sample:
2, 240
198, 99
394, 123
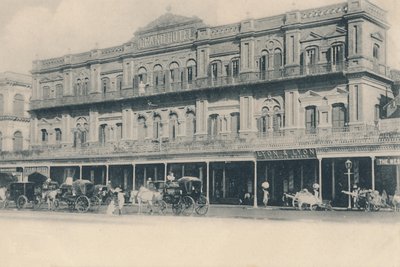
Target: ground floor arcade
228, 180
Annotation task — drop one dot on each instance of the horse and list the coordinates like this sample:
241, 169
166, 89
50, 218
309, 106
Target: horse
395, 202
3, 195
50, 197
145, 195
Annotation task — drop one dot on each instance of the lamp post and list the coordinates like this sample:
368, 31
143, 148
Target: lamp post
348, 165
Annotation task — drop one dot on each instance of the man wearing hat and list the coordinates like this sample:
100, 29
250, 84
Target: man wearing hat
265, 186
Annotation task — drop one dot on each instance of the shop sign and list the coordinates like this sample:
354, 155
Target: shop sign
8, 170
388, 161
305, 153
167, 38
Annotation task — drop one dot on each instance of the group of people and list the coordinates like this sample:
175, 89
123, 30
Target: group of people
118, 199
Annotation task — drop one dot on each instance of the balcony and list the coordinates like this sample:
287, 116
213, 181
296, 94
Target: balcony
362, 136
197, 84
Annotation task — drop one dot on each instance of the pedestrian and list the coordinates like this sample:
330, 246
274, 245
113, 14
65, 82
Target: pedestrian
120, 198
170, 176
265, 186
316, 190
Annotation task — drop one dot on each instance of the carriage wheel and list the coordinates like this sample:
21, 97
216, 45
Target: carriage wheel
82, 204
177, 208
188, 205
162, 206
202, 205
21, 202
95, 203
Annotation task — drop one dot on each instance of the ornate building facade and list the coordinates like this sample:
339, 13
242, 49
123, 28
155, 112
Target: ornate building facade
15, 94
287, 98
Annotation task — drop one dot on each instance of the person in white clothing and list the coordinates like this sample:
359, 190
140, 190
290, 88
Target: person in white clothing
265, 186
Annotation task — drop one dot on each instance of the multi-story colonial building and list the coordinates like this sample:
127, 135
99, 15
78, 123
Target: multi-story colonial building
287, 98
15, 93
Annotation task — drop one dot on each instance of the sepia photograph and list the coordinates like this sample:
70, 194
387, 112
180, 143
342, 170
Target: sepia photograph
187, 133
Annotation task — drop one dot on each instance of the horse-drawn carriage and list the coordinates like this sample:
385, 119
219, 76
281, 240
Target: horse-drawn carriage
104, 193
367, 199
80, 196
304, 198
184, 196
22, 194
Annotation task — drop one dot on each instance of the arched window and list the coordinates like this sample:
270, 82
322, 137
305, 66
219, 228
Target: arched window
158, 75
278, 62
213, 125
1, 105
17, 141
264, 121
45, 135
375, 52
86, 85
102, 134
174, 72
337, 54
142, 75
142, 128
190, 124
235, 67
58, 135
78, 87
105, 85
311, 119
191, 70
264, 64
215, 69
338, 116
119, 82
173, 126
157, 127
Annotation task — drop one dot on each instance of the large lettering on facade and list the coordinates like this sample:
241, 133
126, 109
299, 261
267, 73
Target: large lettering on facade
172, 37
388, 161
305, 153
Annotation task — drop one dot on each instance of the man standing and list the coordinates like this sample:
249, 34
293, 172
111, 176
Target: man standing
265, 186
170, 176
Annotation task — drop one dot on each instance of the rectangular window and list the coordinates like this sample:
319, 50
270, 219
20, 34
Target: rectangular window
214, 71
190, 74
356, 102
355, 40
235, 68
292, 48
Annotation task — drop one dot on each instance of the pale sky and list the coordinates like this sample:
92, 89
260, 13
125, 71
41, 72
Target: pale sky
41, 29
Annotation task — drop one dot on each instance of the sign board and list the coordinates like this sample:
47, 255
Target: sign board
388, 161
167, 38
287, 154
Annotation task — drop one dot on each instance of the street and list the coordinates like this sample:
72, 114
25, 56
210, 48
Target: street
284, 238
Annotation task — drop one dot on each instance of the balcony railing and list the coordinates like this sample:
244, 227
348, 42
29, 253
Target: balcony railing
284, 139
199, 83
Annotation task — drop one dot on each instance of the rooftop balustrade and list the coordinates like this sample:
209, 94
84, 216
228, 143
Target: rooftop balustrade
361, 135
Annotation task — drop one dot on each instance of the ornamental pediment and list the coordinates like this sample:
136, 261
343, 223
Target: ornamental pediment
168, 21
378, 36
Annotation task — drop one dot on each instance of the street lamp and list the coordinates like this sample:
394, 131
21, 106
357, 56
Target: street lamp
348, 165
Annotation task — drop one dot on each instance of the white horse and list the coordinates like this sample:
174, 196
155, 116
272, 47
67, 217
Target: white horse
50, 197
145, 195
395, 202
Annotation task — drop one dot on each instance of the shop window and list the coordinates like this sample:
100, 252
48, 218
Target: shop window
17, 141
